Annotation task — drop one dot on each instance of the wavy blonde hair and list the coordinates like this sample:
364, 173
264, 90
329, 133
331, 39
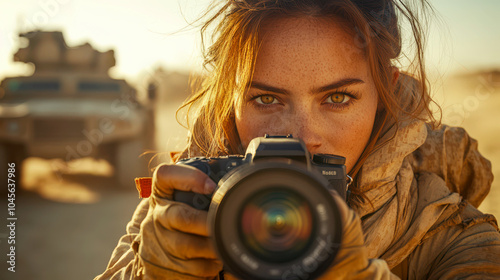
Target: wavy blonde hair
234, 28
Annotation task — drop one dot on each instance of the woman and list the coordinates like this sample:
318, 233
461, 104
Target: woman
324, 72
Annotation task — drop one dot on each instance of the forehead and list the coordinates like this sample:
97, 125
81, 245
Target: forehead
308, 47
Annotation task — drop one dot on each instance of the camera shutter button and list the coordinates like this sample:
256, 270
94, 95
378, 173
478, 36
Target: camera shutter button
328, 159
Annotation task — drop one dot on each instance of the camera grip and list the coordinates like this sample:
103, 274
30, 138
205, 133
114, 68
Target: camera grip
339, 186
196, 200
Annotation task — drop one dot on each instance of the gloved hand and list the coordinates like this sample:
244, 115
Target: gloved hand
173, 240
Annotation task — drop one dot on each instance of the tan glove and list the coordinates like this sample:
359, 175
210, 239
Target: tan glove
173, 242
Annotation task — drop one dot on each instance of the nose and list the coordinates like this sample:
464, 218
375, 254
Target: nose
304, 126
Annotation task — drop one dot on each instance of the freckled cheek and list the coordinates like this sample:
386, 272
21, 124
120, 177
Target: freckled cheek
353, 137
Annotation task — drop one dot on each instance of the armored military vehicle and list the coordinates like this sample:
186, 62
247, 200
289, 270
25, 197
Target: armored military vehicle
71, 108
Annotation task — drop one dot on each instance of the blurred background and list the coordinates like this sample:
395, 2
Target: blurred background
127, 66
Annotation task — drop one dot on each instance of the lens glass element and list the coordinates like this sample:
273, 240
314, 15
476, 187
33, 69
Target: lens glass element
276, 225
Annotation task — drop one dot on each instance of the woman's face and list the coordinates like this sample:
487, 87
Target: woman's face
311, 81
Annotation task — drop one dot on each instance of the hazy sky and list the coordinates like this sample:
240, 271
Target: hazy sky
467, 39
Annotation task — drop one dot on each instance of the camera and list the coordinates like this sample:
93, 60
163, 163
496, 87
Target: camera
272, 215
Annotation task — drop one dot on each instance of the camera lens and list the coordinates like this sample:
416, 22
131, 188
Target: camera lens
274, 215
276, 225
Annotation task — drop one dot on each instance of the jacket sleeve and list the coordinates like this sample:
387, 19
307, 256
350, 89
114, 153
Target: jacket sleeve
122, 262
465, 246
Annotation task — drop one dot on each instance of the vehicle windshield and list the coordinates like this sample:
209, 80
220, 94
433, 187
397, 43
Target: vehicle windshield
84, 87
22, 89
32, 86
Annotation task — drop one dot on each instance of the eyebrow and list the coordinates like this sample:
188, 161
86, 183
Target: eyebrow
334, 85
338, 84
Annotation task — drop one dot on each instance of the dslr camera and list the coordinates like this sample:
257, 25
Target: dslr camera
272, 215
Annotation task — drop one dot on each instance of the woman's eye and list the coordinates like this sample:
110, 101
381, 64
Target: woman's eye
266, 99
338, 98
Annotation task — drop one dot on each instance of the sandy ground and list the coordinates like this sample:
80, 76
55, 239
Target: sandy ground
70, 220
66, 229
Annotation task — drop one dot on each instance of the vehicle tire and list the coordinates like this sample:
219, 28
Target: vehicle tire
128, 163
11, 153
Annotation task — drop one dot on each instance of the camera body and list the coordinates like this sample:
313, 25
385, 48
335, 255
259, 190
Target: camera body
331, 167
272, 215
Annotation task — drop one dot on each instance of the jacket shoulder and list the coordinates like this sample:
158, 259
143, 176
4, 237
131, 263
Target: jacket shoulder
453, 155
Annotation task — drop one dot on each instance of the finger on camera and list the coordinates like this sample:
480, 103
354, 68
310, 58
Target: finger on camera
175, 275
196, 267
186, 246
182, 217
168, 177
